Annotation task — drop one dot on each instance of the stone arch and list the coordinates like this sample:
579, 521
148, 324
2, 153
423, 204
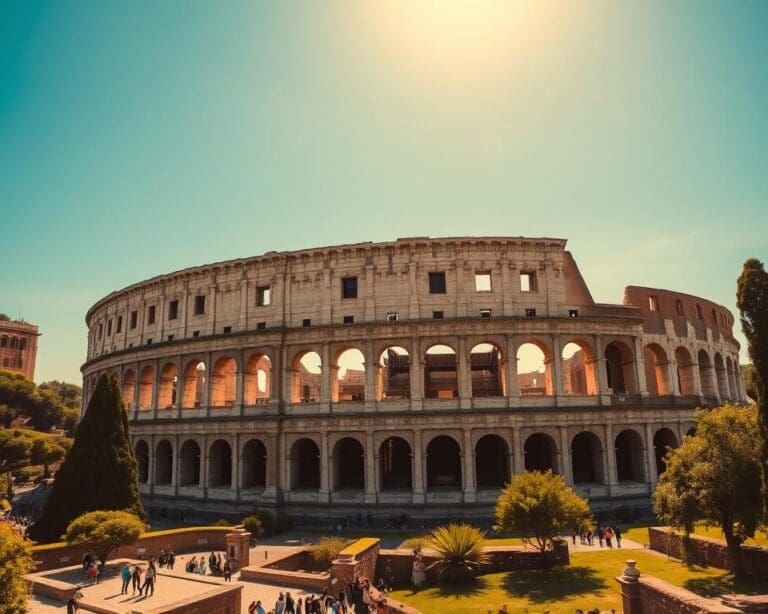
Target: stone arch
534, 368
706, 375
540, 451
305, 465
722, 376
657, 370
630, 456
254, 464
189, 463
395, 464
258, 379
163, 463
686, 380
393, 374
348, 375
587, 459
491, 462
487, 368
663, 441
620, 367
348, 464
128, 388
146, 384
141, 450
166, 392
579, 368
306, 371
194, 384
443, 463
441, 372
220, 464
224, 382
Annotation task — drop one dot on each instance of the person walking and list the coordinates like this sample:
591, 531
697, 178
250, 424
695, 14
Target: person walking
136, 577
125, 576
280, 604
617, 534
227, 571
73, 603
149, 580
290, 604
171, 559
299, 606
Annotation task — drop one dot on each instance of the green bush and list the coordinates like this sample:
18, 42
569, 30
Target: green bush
459, 549
31, 473
268, 524
222, 522
327, 549
253, 525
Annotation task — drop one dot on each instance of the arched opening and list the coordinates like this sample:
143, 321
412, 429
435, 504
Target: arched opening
663, 441
441, 376
189, 464
142, 460
163, 463
722, 376
306, 370
587, 459
166, 393
194, 384
254, 464
491, 462
128, 389
685, 376
706, 375
443, 463
348, 464
630, 466
395, 460
540, 453
656, 370
619, 368
305, 465
534, 369
394, 375
579, 373
258, 380
487, 370
691, 432
224, 382
731, 372
146, 383
220, 464
349, 380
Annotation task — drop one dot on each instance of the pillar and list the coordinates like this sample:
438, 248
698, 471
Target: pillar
557, 368
513, 389
237, 461
418, 468
630, 589
325, 375
642, 385
238, 548
602, 375
464, 374
240, 380
468, 456
370, 367
324, 468
518, 460
610, 460
565, 456
416, 375
696, 378
650, 458
370, 469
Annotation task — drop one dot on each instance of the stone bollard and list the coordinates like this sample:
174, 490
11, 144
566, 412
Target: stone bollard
630, 589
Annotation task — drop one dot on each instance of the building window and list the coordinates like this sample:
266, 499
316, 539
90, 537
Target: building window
485, 313
306, 322
195, 333
573, 313
23, 344
134, 319
263, 296
528, 281
483, 281
437, 283
261, 326
151, 314
199, 305
530, 313
173, 310
349, 287
149, 341
171, 337
227, 330
349, 319
679, 307
393, 316
109, 328
699, 314
3, 341
119, 326
653, 303
437, 315
714, 317
101, 332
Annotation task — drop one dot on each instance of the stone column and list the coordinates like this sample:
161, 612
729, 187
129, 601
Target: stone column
136, 389
151, 465
239, 548
179, 386
565, 456
518, 458
610, 460
642, 385
602, 374
324, 468
461, 297
369, 293
210, 326
370, 469
650, 458
416, 375
175, 466
184, 309
370, 367
513, 389
155, 387
674, 380
244, 303
468, 456
418, 467
557, 368
413, 287
240, 380
204, 460
630, 589
464, 374
206, 400
696, 379
325, 377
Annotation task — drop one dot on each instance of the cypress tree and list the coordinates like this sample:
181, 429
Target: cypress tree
100, 471
752, 301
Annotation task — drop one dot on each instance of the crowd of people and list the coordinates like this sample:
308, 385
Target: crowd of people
217, 565
606, 536
357, 597
18, 522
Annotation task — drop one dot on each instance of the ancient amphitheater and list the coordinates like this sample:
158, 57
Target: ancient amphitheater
389, 377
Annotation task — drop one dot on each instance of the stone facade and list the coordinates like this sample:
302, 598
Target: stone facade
240, 394
18, 347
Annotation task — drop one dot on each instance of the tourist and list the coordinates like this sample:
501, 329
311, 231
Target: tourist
617, 534
125, 576
227, 572
149, 580
252, 607
418, 575
298, 606
191, 565
609, 537
136, 577
86, 561
92, 573
212, 562
171, 559
343, 601
259, 609
280, 604
73, 603
200, 569
599, 531
290, 604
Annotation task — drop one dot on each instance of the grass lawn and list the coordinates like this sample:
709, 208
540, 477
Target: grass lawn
639, 534
589, 582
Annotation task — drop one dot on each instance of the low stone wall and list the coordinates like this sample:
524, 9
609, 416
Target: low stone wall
709, 552
300, 560
284, 571
189, 539
359, 559
226, 599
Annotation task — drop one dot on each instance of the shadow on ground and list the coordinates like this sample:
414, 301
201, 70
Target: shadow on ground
725, 584
543, 585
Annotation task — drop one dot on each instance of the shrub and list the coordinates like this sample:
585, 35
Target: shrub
253, 525
459, 549
327, 549
222, 522
103, 531
15, 561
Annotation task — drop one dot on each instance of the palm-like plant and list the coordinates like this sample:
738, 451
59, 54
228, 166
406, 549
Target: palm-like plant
459, 549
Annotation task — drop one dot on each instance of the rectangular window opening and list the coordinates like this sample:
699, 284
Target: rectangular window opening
485, 313
151, 314
134, 319
173, 310
109, 328
119, 324
261, 326
573, 313
349, 319
349, 287
699, 313
653, 303
528, 281
195, 333
263, 296
199, 305
393, 316
171, 337
437, 283
483, 281
227, 330
530, 313
437, 315
306, 322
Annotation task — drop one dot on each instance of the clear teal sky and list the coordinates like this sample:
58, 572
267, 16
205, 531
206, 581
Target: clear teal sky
141, 137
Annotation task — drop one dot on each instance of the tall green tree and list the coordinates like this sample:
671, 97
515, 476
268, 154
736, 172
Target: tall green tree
100, 471
15, 562
714, 478
752, 301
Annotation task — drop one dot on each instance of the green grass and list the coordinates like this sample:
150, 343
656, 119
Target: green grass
639, 534
589, 582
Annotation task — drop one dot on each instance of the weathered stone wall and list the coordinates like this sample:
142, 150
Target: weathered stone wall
649, 595
226, 599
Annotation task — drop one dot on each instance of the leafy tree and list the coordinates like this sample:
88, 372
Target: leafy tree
459, 549
4, 317
540, 506
327, 549
15, 562
253, 525
714, 478
104, 530
750, 384
752, 301
100, 471
51, 404
20, 448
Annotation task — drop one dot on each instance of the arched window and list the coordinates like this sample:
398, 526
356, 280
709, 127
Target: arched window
220, 464
540, 453
163, 463
619, 367
656, 370
663, 441
685, 374
491, 462
441, 379
487, 370
306, 371
305, 465
254, 464
166, 393
630, 465
224, 382
394, 375
258, 379
534, 370
348, 464
587, 459
443, 463
146, 384
349, 380
142, 460
189, 464
395, 460
707, 375
194, 384
579, 373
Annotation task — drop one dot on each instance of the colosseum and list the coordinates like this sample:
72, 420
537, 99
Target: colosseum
410, 376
